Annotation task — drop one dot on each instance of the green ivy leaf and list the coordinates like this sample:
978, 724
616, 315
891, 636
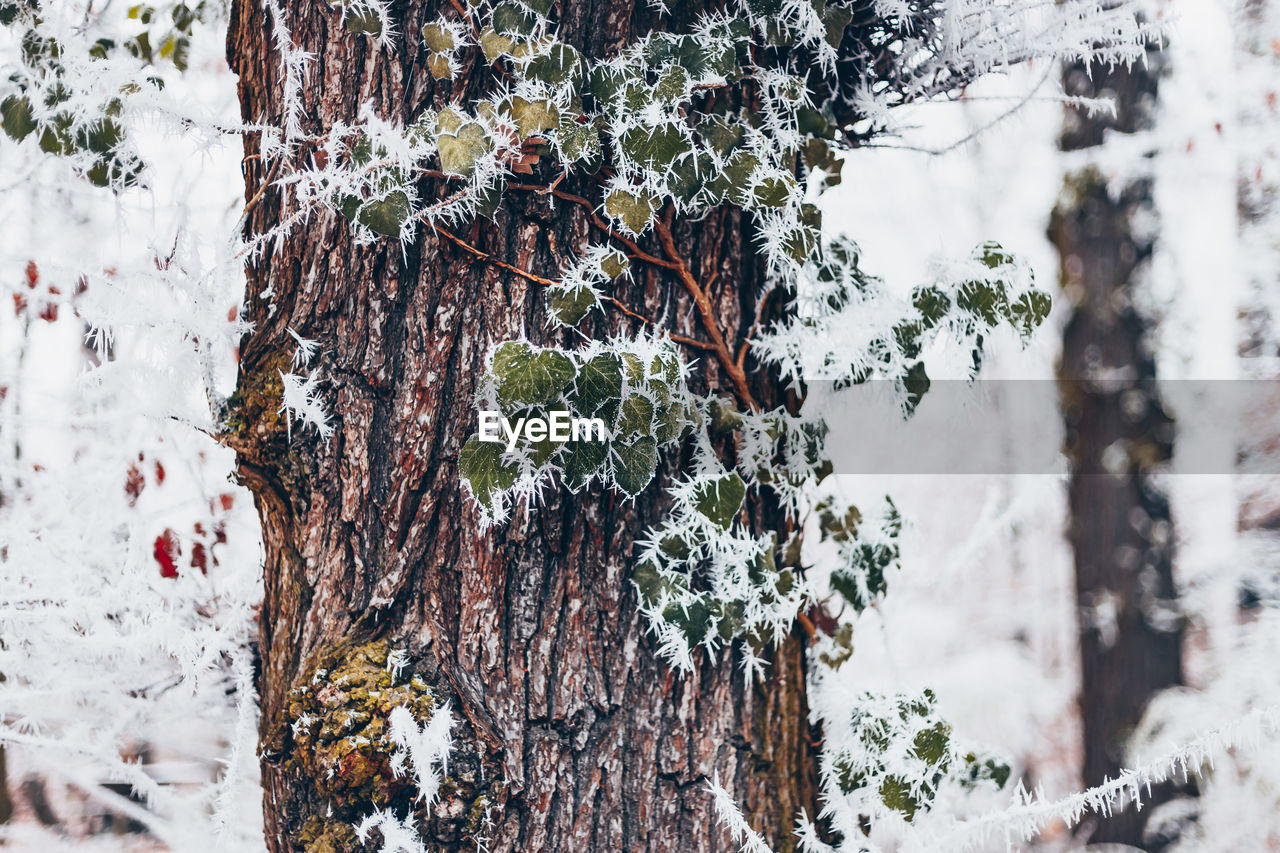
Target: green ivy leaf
529, 377
614, 264
634, 210
932, 304
16, 118
569, 307
488, 199
721, 135
983, 300
386, 215
656, 147
532, 118
599, 383
916, 383
993, 255
448, 120
688, 176
673, 420
635, 416
540, 452
673, 83
100, 137
558, 66
460, 151
581, 461
362, 21
933, 745
438, 65
481, 465
494, 45
510, 19
895, 793
606, 82
725, 418
836, 18
438, 38
719, 500
1028, 311
578, 141
773, 192
634, 464
737, 175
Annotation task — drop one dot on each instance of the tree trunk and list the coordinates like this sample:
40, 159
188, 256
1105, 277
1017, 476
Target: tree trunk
574, 735
6, 799
1117, 431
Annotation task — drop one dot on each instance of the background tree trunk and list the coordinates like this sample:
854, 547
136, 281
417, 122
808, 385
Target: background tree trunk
574, 735
1120, 528
6, 800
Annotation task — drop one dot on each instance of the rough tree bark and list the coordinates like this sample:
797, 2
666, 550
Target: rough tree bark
1120, 528
574, 736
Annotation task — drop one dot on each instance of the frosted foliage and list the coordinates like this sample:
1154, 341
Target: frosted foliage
129, 566
1257, 30
943, 45
132, 569
1238, 784
849, 328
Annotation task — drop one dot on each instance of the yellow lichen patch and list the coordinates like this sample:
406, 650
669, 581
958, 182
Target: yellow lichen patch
253, 411
338, 724
328, 836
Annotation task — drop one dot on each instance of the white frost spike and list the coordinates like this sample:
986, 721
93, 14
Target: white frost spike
732, 819
426, 747
397, 661
293, 62
302, 401
398, 836
306, 350
1028, 813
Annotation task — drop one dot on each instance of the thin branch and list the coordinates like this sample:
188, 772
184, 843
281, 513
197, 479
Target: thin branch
475, 31
632, 246
488, 258
680, 339
262, 190
537, 279
755, 327
969, 137
721, 349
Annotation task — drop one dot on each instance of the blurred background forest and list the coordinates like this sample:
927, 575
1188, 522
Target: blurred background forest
1075, 623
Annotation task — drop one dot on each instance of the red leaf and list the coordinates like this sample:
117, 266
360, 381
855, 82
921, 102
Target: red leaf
166, 552
159, 473
200, 558
134, 483
33, 274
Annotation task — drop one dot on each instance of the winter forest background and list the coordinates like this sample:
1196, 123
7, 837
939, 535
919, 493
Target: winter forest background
130, 562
